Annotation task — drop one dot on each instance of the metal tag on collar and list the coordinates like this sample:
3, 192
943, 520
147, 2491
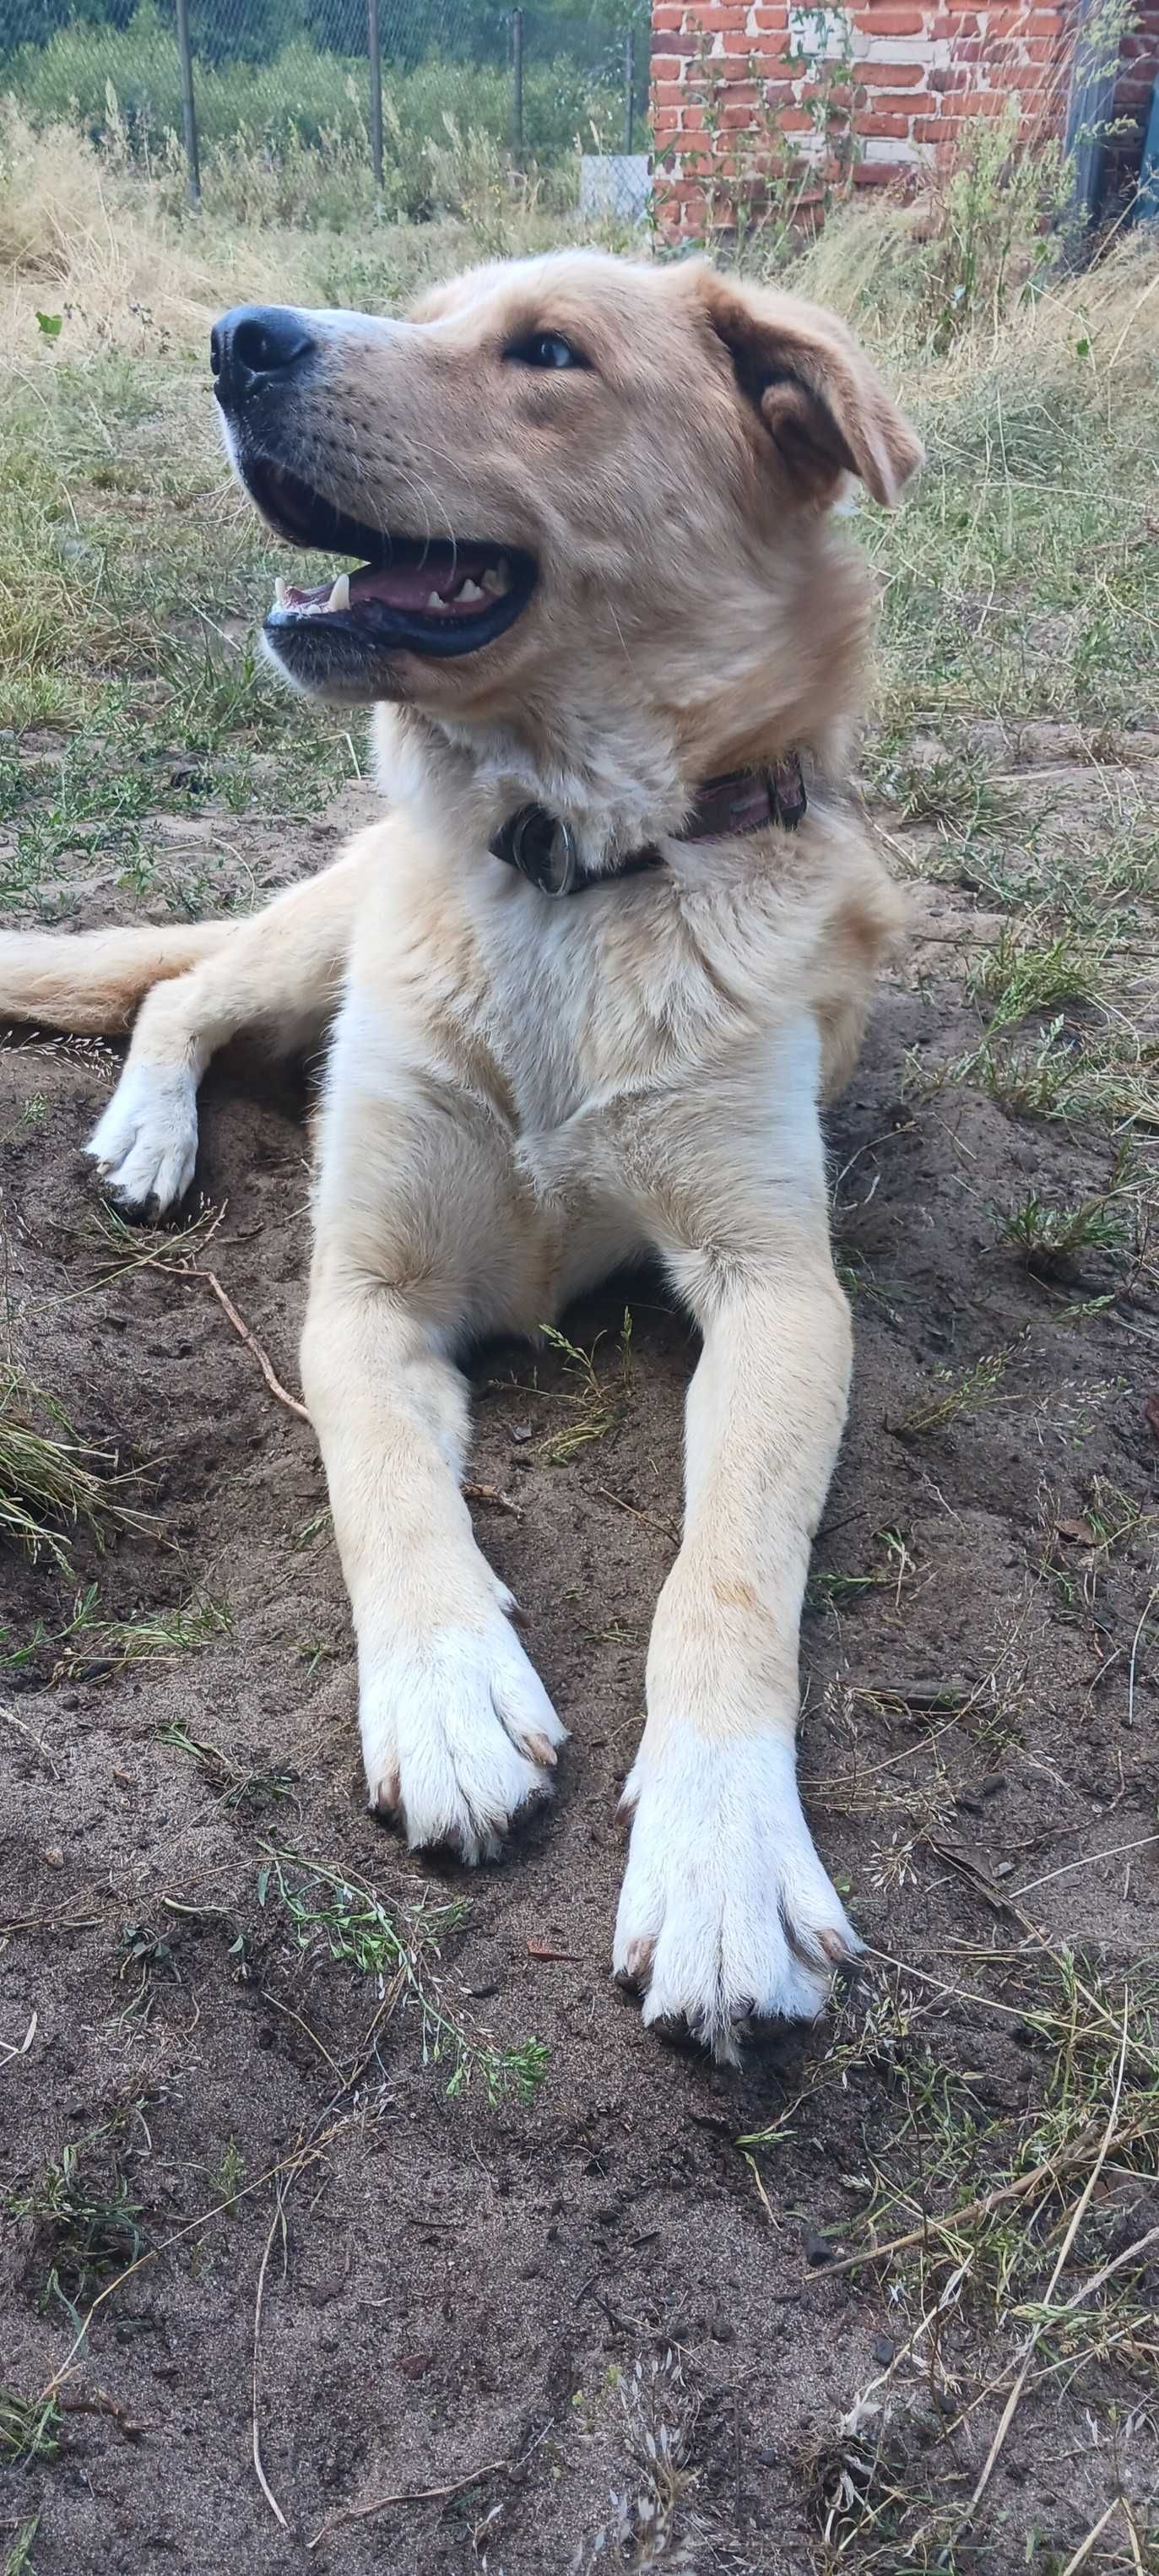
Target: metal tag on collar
544, 850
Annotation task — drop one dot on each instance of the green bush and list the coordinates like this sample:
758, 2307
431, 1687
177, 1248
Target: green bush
265, 126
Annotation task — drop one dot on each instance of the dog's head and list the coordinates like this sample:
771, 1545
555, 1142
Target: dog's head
570, 478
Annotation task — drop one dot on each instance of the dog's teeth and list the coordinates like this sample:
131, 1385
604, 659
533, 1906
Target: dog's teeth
469, 590
340, 595
434, 600
497, 578
281, 594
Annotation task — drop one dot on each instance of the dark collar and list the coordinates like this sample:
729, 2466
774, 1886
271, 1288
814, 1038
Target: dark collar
749, 800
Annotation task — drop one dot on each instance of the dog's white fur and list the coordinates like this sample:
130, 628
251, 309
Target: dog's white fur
521, 1094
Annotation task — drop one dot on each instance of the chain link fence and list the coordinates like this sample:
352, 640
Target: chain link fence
328, 107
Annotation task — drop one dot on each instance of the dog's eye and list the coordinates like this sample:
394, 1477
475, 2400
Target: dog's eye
546, 349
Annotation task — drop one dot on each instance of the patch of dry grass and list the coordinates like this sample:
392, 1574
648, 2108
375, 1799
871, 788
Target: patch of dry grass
51, 1482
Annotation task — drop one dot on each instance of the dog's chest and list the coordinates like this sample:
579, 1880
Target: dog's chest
580, 1001
557, 1012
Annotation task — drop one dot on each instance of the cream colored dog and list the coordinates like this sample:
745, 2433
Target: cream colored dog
602, 607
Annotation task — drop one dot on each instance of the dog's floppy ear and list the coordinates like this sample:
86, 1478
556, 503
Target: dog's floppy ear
825, 408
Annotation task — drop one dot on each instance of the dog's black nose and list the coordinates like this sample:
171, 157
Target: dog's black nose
252, 345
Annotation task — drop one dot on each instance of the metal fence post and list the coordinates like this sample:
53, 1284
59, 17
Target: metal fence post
188, 104
1090, 110
374, 49
629, 87
517, 86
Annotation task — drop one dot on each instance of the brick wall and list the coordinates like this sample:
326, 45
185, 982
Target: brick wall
739, 84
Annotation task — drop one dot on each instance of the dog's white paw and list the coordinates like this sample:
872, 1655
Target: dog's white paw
458, 1734
146, 1143
726, 1913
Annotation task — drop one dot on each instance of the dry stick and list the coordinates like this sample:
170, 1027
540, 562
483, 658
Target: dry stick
492, 1494
649, 1518
1085, 2547
1086, 1860
1130, 2254
189, 1270
1038, 2177
100, 2403
1132, 2536
1077, 2216
409, 2495
278, 2220
1134, 1652
274, 1383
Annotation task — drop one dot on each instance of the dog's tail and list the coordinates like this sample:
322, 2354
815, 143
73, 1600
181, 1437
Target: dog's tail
89, 982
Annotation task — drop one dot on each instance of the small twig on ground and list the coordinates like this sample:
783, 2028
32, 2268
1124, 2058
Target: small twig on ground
407, 2495
189, 1271
240, 1326
278, 2220
1134, 1654
1082, 2553
100, 2403
20, 2047
650, 1520
492, 1494
1130, 2254
1086, 1860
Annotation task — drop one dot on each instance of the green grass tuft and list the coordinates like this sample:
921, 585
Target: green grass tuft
401, 1948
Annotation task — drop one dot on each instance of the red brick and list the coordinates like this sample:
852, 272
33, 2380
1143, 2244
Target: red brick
680, 48
895, 125
893, 22
892, 75
668, 94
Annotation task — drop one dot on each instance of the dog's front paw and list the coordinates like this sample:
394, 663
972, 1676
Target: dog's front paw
146, 1144
458, 1734
726, 1913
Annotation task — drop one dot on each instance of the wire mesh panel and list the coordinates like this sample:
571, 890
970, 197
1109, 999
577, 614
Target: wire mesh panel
417, 102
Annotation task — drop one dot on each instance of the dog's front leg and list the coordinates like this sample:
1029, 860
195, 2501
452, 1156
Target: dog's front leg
417, 1231
277, 975
726, 1910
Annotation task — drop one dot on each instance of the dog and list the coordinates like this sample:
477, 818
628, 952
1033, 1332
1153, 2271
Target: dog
587, 985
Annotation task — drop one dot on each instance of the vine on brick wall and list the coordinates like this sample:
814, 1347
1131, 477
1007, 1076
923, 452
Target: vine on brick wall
777, 149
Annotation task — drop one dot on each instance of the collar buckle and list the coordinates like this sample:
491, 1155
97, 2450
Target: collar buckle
543, 848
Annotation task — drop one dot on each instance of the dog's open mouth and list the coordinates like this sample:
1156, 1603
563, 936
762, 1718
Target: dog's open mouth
432, 595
